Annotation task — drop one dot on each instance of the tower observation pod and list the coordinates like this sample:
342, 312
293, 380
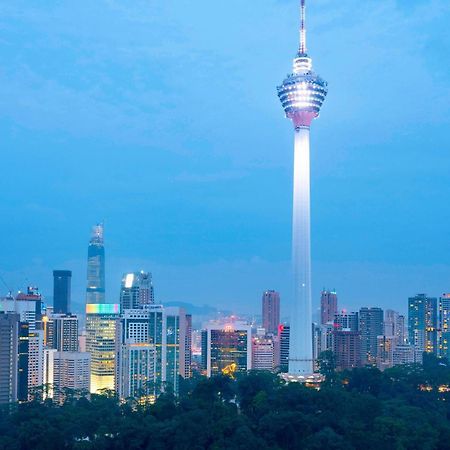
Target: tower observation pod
301, 94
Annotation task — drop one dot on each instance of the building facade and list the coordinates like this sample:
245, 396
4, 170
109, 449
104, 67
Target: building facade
371, 325
136, 290
422, 323
271, 311
95, 290
101, 323
228, 348
62, 291
328, 306
71, 373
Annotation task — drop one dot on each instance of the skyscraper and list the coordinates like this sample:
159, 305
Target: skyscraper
370, 326
136, 290
301, 94
101, 323
9, 353
328, 306
422, 322
271, 311
284, 333
95, 290
61, 291
168, 331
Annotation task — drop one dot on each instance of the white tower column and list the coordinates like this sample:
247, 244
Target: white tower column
300, 345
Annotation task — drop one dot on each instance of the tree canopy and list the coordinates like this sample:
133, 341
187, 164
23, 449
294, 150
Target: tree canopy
407, 407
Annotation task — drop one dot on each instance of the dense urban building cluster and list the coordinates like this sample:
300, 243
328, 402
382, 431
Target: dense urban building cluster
139, 348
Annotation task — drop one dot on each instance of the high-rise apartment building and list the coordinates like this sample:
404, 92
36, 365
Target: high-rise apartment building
301, 94
228, 347
136, 290
101, 323
62, 332
444, 326
422, 323
371, 321
71, 370
188, 347
62, 291
95, 290
328, 306
271, 311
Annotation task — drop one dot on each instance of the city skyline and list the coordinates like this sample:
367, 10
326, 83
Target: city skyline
381, 239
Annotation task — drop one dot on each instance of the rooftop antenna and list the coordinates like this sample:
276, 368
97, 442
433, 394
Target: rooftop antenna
302, 48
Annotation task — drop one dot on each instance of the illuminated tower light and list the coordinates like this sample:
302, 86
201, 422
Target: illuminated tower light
301, 94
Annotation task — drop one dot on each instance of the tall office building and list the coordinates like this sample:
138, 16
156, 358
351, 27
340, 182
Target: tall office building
301, 94
136, 290
371, 321
35, 360
136, 371
228, 348
284, 332
422, 323
62, 332
71, 370
347, 348
95, 290
62, 291
23, 358
176, 326
328, 306
263, 353
168, 330
271, 311
27, 304
346, 320
101, 323
444, 326
9, 354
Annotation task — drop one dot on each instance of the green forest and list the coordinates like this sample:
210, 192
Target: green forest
406, 407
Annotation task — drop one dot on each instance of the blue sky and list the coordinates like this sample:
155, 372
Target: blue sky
161, 118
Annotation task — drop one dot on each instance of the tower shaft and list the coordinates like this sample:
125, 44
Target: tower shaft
300, 352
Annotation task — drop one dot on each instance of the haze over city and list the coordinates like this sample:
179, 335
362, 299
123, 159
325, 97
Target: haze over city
163, 121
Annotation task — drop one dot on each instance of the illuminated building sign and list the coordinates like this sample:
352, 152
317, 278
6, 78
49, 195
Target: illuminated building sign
102, 308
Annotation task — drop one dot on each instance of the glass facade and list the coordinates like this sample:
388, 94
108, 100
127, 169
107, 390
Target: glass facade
229, 351
95, 290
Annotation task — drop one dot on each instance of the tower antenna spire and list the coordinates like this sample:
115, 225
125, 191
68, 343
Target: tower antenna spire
302, 48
